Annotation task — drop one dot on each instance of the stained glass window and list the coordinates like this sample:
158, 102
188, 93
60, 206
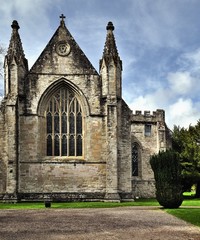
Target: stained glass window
64, 125
71, 123
64, 122
49, 145
79, 145
64, 145
56, 146
135, 159
49, 121
79, 123
71, 145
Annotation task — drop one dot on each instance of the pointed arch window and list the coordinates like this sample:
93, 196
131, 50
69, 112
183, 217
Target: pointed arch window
135, 159
64, 120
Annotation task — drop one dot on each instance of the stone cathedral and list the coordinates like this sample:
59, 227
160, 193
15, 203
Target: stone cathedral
65, 131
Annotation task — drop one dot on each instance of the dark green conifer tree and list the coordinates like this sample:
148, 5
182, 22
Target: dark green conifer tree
167, 173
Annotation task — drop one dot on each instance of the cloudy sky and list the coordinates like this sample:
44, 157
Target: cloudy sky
158, 42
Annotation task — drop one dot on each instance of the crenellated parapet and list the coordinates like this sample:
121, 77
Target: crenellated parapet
148, 116
150, 129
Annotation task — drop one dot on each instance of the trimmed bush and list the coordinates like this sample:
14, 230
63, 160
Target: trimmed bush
167, 174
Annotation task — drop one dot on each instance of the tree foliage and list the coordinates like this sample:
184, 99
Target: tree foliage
186, 142
167, 173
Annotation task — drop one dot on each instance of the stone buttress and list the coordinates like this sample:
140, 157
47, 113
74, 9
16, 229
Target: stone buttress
16, 68
111, 75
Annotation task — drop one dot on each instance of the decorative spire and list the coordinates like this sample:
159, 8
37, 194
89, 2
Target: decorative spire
110, 26
15, 49
15, 25
62, 22
110, 48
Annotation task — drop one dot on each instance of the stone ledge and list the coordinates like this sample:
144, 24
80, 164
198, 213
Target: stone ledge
56, 197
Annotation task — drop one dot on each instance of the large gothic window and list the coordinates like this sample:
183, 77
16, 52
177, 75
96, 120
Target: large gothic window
64, 135
135, 159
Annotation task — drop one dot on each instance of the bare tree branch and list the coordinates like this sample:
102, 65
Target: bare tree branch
2, 55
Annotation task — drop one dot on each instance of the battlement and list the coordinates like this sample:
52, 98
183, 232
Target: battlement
148, 116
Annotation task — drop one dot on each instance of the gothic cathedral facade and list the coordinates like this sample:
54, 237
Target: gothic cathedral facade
65, 131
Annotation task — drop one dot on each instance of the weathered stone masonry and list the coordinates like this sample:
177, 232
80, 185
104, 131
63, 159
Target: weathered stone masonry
65, 131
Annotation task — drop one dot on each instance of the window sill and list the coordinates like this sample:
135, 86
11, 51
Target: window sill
63, 159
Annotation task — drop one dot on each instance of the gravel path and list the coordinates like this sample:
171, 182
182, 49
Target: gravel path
94, 224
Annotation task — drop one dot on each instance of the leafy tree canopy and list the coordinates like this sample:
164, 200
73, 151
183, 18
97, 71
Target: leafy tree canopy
187, 143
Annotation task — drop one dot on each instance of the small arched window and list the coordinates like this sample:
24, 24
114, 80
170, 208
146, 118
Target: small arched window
64, 121
135, 159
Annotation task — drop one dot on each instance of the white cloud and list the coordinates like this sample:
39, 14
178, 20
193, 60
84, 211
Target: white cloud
181, 108
182, 113
185, 80
181, 82
143, 103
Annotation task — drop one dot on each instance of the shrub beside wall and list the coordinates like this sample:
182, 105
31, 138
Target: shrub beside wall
167, 173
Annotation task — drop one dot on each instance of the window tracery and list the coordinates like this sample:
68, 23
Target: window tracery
64, 132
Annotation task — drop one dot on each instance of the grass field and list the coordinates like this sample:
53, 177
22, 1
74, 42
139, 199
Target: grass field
189, 211
191, 215
40, 205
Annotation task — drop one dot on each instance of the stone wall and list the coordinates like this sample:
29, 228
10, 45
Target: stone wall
144, 184
62, 177
3, 164
124, 153
143, 188
39, 87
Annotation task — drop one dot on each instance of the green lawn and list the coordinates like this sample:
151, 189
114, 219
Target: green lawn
193, 202
191, 215
139, 202
40, 205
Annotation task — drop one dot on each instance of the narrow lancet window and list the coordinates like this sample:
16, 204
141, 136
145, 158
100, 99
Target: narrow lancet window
49, 145
64, 145
79, 145
135, 159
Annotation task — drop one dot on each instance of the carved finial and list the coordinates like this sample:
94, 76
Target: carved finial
110, 26
62, 22
15, 25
